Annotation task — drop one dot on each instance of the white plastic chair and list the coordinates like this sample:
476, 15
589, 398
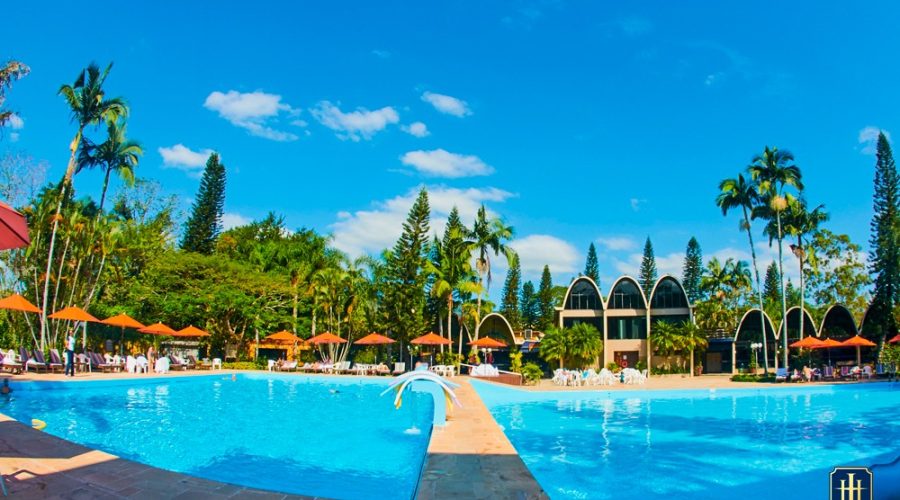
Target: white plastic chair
217, 364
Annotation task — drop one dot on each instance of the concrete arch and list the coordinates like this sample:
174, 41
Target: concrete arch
673, 279
838, 317
612, 292
751, 318
591, 282
496, 323
809, 324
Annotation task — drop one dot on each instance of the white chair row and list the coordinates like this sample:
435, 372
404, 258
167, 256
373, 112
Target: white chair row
577, 378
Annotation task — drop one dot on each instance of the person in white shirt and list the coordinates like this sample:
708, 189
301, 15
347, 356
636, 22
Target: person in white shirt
70, 353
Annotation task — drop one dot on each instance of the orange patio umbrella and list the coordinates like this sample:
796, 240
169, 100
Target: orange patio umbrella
857, 341
374, 339
158, 329
123, 321
73, 313
325, 338
487, 343
430, 339
191, 331
808, 343
16, 302
895, 339
828, 344
283, 336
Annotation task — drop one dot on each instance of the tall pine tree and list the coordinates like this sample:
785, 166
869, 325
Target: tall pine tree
693, 270
509, 305
205, 223
884, 261
528, 306
591, 269
405, 291
772, 285
545, 300
647, 276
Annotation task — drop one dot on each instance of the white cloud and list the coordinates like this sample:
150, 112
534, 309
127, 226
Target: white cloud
232, 220
537, 250
354, 125
417, 129
617, 243
252, 111
868, 138
447, 104
183, 158
371, 231
383, 54
442, 163
636, 203
14, 137
15, 122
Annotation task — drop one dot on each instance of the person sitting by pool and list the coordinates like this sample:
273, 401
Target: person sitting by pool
807, 374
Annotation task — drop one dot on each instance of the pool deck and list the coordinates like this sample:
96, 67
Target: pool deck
471, 457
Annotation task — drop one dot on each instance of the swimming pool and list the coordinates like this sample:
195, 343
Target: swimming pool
319, 436
739, 443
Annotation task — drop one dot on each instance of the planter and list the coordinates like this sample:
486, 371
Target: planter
698, 370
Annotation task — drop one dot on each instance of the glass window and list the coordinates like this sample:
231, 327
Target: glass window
583, 295
668, 295
626, 295
626, 328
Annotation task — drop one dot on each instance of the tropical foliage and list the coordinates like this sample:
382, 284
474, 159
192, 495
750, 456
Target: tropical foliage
577, 346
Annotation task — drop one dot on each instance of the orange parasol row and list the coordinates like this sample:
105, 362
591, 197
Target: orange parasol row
122, 321
158, 329
73, 313
374, 339
325, 338
430, 339
487, 342
191, 331
283, 336
857, 341
809, 342
16, 302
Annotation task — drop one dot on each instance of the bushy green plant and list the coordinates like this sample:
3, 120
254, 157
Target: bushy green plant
448, 358
532, 373
641, 365
365, 356
515, 362
612, 366
473, 358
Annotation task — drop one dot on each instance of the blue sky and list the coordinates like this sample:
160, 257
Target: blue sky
575, 121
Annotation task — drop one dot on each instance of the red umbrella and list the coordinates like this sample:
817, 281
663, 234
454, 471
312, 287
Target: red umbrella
16, 302
895, 339
325, 338
374, 339
123, 321
13, 228
487, 343
430, 339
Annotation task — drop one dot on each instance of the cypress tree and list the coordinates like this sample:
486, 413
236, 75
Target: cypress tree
772, 284
205, 223
884, 261
647, 276
693, 270
545, 300
405, 293
591, 269
509, 305
528, 306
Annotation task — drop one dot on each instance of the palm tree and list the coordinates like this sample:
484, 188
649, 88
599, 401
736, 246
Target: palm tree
449, 275
580, 344
734, 193
555, 345
692, 339
773, 171
488, 235
116, 153
800, 221
665, 339
89, 106
12, 70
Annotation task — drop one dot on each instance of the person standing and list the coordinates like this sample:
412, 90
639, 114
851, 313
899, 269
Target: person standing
70, 353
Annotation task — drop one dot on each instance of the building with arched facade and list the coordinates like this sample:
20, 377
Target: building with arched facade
626, 318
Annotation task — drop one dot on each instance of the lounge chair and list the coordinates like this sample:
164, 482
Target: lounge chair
289, 366
781, 375
53, 367
845, 372
175, 363
10, 364
30, 362
399, 368
56, 358
98, 363
198, 365
829, 373
867, 372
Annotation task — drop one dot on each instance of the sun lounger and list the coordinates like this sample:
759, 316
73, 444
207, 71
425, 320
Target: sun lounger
198, 365
98, 363
56, 358
399, 368
31, 363
781, 375
53, 367
829, 373
10, 364
175, 363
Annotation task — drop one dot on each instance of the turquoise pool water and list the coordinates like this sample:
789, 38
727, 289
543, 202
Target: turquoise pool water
319, 436
742, 443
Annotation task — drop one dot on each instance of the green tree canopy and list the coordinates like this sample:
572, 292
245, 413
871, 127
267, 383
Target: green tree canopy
205, 222
647, 275
693, 270
591, 267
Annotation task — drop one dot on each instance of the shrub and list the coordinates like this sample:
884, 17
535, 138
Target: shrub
515, 362
641, 365
448, 358
532, 373
241, 365
750, 377
365, 356
612, 366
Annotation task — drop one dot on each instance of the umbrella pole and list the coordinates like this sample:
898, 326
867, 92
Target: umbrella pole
122, 342
858, 356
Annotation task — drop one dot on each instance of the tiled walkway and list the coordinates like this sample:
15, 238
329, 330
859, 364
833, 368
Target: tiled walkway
471, 457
